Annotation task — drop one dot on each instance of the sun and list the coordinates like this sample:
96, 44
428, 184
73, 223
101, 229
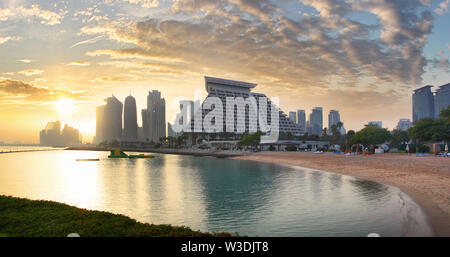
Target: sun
65, 107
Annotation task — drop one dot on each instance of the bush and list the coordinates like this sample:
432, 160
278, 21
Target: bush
271, 148
291, 148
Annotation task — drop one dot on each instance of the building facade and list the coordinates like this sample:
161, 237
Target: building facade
293, 117
333, 118
130, 127
375, 123
404, 124
423, 103
316, 121
223, 89
154, 117
301, 120
51, 135
109, 121
441, 99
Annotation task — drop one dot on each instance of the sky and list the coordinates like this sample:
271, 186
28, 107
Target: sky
60, 59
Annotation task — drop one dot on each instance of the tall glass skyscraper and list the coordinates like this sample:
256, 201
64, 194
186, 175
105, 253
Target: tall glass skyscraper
441, 99
301, 120
130, 128
423, 103
316, 120
333, 119
154, 117
293, 117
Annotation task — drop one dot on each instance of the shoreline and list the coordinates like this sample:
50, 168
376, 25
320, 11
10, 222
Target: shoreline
200, 153
431, 193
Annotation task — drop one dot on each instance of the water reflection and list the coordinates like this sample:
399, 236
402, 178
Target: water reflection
210, 194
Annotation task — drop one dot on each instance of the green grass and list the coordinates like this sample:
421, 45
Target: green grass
22, 217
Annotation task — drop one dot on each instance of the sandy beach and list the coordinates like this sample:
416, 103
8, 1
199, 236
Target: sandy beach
425, 179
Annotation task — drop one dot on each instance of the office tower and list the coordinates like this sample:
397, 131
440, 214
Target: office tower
301, 120
375, 123
316, 120
171, 132
404, 124
99, 114
154, 117
293, 117
333, 119
70, 136
130, 127
423, 103
441, 99
112, 119
50, 135
223, 88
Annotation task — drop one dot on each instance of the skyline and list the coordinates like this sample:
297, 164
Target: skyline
352, 56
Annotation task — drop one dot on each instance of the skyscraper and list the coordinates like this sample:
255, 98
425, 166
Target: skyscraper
404, 124
423, 103
375, 123
333, 119
50, 135
316, 120
99, 114
301, 120
223, 88
154, 117
293, 117
441, 99
112, 119
130, 128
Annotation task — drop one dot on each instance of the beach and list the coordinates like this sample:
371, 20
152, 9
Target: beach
425, 179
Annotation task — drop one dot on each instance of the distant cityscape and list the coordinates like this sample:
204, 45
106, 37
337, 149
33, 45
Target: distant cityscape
118, 122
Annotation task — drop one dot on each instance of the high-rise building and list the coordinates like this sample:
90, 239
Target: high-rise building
333, 119
441, 99
375, 123
301, 120
423, 103
50, 135
293, 117
99, 114
316, 120
404, 124
109, 125
223, 88
154, 117
130, 127
70, 136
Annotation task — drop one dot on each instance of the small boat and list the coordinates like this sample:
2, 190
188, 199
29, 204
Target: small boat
86, 160
116, 153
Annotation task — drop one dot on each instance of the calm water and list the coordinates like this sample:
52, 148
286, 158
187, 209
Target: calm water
211, 194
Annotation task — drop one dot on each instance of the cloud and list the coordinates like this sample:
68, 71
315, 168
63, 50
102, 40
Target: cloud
25, 60
255, 39
88, 41
23, 90
144, 3
47, 17
31, 72
443, 7
6, 39
442, 63
79, 63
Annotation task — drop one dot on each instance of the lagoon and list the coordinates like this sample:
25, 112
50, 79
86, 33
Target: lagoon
215, 195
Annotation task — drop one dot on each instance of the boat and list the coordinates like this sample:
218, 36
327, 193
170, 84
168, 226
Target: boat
80, 160
117, 153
